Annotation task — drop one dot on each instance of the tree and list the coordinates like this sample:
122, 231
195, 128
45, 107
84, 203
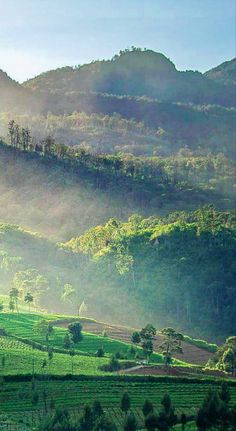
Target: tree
183, 420
97, 409
75, 330
168, 410
83, 309
45, 396
30, 280
29, 299
3, 361
35, 398
135, 338
86, 420
162, 422
171, 344
104, 424
224, 392
68, 293
125, 403
147, 408
1, 307
100, 352
147, 346
59, 420
50, 356
11, 132
67, 342
228, 361
11, 304
131, 423
225, 357
14, 296
151, 422
208, 414
72, 354
145, 337
44, 328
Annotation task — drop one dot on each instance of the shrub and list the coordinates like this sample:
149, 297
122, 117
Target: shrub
120, 355
100, 352
3, 332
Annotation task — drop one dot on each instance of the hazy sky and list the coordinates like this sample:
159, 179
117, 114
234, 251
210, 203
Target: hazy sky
37, 35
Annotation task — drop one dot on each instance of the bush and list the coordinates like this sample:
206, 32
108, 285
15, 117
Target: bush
120, 355
3, 332
100, 353
115, 365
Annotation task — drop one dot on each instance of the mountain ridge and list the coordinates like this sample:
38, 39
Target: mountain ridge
136, 73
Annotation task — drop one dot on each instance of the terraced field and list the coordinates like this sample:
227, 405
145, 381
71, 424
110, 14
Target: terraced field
23, 325
16, 397
53, 379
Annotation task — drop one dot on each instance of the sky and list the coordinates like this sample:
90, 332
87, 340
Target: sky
38, 35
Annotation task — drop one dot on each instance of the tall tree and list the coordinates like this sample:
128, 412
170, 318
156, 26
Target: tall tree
171, 344
29, 299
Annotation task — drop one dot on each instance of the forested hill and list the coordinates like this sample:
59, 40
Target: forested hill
148, 127
60, 191
175, 271
180, 269
136, 73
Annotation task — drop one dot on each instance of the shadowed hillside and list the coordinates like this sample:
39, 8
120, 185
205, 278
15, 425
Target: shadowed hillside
137, 73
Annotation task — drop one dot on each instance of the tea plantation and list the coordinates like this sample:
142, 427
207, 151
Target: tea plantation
73, 380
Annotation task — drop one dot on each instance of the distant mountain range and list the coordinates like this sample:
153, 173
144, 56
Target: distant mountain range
139, 73
144, 86
135, 73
